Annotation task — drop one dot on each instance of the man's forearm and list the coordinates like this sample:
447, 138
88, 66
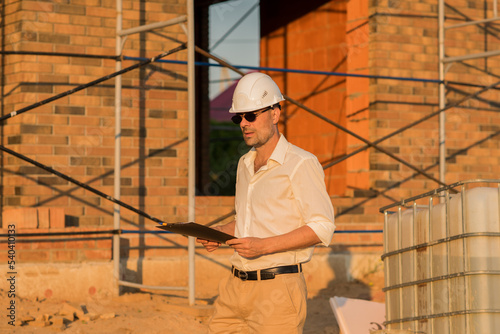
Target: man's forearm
302, 237
251, 247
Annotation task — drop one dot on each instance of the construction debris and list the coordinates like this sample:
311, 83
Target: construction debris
107, 316
71, 310
39, 323
67, 314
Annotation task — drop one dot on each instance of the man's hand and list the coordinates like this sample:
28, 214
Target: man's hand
210, 246
248, 247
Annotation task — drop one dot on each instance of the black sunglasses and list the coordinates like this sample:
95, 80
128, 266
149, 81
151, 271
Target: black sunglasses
249, 116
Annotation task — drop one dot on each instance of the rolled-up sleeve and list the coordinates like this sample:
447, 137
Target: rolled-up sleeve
315, 205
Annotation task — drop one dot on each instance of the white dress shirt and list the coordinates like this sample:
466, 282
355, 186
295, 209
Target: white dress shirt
285, 194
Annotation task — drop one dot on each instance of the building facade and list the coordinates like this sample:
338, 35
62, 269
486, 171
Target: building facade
389, 48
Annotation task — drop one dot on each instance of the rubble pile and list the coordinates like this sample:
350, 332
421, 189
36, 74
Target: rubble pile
67, 314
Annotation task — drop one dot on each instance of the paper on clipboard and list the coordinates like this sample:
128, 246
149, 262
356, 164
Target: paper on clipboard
197, 230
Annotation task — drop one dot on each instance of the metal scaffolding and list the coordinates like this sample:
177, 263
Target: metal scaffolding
121, 36
188, 20
444, 65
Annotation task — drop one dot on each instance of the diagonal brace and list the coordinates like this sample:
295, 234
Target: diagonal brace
80, 184
392, 134
366, 141
92, 83
340, 127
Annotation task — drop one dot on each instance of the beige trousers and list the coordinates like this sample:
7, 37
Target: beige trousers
270, 306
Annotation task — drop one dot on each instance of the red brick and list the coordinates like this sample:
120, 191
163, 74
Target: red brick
106, 244
101, 12
64, 256
22, 218
43, 217
57, 218
12, 216
21, 246
97, 254
53, 244
33, 256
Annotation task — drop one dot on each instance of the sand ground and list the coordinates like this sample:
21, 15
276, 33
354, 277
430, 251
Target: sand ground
156, 312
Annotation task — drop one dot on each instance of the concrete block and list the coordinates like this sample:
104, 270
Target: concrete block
71, 310
84, 318
59, 320
39, 323
42, 317
93, 316
26, 318
68, 317
58, 328
107, 316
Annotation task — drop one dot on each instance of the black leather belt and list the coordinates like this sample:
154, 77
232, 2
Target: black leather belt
265, 274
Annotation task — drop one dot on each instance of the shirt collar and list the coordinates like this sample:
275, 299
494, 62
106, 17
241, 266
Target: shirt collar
280, 150
278, 154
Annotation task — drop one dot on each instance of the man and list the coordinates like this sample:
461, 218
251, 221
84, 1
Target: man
282, 210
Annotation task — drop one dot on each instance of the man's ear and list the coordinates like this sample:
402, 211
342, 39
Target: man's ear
276, 115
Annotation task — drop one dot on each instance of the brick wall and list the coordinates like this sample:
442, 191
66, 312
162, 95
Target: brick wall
399, 39
313, 41
79, 244
404, 37
30, 228
331, 37
75, 134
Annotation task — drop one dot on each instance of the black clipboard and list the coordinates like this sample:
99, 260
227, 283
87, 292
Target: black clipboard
197, 230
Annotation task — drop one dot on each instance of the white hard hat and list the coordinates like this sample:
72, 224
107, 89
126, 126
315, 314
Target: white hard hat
255, 91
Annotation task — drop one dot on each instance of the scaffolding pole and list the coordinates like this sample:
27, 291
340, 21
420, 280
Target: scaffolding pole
448, 61
117, 171
192, 147
442, 95
121, 36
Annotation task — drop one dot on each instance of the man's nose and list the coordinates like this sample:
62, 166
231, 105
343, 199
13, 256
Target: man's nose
244, 123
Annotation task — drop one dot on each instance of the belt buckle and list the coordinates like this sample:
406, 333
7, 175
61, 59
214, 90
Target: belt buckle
242, 275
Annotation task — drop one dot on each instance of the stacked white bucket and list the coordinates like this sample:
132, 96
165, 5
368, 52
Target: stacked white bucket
442, 264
